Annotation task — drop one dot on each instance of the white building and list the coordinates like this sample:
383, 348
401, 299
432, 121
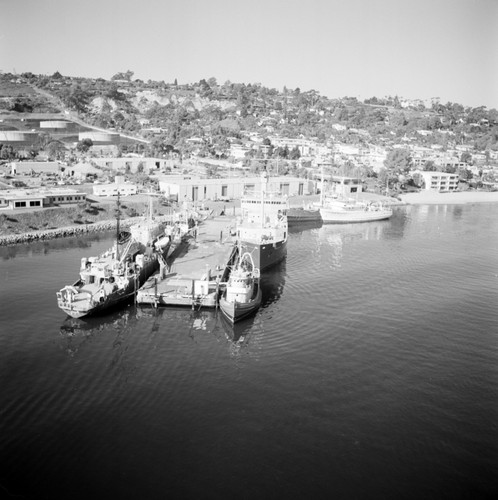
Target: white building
132, 163
345, 186
11, 199
194, 188
439, 181
119, 186
28, 167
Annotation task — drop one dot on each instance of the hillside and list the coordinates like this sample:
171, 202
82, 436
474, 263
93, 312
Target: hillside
171, 114
249, 124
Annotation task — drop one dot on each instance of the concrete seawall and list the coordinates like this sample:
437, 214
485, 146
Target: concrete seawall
48, 234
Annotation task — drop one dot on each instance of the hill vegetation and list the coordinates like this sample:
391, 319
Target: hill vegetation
207, 117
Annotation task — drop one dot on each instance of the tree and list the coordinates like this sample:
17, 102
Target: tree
123, 76
76, 98
55, 150
466, 157
465, 174
429, 166
84, 145
295, 154
398, 160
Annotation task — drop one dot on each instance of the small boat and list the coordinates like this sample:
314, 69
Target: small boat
242, 295
114, 276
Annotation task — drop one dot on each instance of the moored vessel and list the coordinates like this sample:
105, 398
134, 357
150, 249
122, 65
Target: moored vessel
114, 276
342, 211
337, 206
242, 295
303, 215
262, 229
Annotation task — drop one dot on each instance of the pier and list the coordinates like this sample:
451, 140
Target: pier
196, 270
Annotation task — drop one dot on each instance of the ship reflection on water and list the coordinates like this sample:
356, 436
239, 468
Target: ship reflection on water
75, 333
272, 283
305, 226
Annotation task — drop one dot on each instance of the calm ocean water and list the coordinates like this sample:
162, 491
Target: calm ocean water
371, 371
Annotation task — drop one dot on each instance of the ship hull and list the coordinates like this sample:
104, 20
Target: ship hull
237, 311
266, 255
301, 215
83, 305
346, 217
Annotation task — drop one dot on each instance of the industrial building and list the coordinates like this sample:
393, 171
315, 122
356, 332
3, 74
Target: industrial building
11, 199
193, 188
132, 164
38, 167
118, 186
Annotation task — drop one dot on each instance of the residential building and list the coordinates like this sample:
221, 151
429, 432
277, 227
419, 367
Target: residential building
439, 181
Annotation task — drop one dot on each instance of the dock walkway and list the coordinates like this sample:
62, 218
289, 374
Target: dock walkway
196, 270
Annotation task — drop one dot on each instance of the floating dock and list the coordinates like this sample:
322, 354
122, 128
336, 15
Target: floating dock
196, 271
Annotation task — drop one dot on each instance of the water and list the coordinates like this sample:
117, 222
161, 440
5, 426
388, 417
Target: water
371, 371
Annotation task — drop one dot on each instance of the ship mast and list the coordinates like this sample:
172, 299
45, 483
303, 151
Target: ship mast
321, 190
264, 185
117, 227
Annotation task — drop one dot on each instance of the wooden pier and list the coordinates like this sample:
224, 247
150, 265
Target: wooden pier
196, 271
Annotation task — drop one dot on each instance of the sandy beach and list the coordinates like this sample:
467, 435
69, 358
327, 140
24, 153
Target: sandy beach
457, 198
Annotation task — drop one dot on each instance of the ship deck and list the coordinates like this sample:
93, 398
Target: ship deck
194, 269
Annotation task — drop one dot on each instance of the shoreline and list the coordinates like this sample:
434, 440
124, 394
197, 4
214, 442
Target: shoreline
62, 232
455, 198
421, 198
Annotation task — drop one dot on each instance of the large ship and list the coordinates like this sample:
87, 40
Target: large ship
262, 229
114, 276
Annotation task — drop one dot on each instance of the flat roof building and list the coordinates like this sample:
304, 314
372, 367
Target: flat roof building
194, 188
439, 181
12, 199
28, 167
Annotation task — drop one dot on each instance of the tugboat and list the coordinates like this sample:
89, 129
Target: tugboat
262, 230
115, 276
242, 295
